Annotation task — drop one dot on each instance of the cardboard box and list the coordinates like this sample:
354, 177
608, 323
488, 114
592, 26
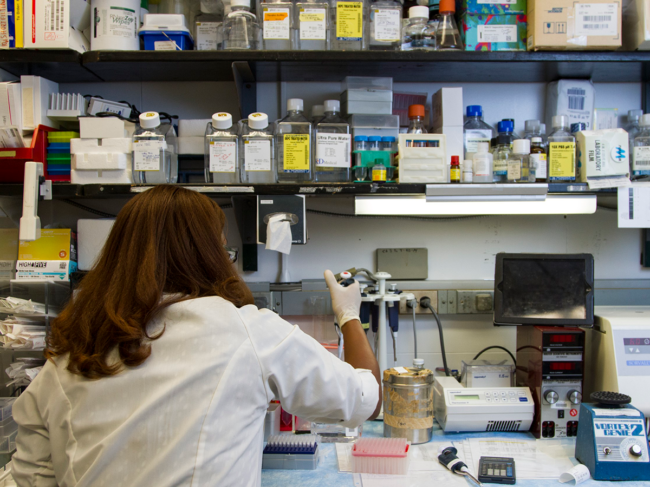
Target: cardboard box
56, 25
55, 244
574, 24
574, 98
102, 128
484, 32
494, 7
447, 108
602, 153
636, 25
57, 270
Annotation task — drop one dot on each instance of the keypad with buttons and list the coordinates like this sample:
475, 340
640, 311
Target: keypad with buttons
497, 470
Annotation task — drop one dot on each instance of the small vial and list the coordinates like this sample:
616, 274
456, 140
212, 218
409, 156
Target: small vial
454, 171
482, 164
387, 143
416, 124
468, 174
379, 173
519, 163
374, 142
361, 142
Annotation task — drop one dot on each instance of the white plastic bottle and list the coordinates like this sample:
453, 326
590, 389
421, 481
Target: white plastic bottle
482, 163
257, 151
293, 140
221, 150
333, 146
152, 159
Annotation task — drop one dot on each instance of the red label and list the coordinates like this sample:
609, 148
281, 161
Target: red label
574, 412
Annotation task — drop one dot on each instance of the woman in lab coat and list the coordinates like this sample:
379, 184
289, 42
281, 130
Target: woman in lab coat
161, 371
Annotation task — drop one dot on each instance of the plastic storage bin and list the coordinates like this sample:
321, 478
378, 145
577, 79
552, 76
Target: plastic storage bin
380, 125
422, 164
6, 403
8, 426
165, 28
381, 456
12, 161
8, 443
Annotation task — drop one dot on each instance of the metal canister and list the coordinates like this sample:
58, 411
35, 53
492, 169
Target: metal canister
408, 404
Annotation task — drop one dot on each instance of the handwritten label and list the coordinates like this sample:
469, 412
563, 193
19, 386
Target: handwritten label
146, 154
313, 24
223, 156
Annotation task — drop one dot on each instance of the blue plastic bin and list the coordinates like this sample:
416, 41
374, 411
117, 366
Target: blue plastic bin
182, 39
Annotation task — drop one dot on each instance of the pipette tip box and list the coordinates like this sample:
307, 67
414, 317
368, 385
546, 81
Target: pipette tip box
381, 456
291, 452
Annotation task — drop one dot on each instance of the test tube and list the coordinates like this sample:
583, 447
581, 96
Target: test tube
374, 142
361, 142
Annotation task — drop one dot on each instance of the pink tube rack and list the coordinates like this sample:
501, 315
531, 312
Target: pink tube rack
381, 455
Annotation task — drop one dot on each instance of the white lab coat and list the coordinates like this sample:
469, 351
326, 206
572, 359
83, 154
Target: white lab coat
192, 414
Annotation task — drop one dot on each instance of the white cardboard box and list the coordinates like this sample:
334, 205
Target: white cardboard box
101, 168
192, 127
636, 25
35, 96
602, 153
56, 25
447, 107
122, 145
91, 237
572, 97
101, 128
455, 146
191, 145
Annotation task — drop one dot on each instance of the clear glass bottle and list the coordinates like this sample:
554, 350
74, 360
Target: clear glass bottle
447, 33
293, 144
385, 25
511, 124
561, 152
422, 37
349, 25
152, 158
633, 129
208, 30
501, 154
475, 130
221, 150
519, 163
333, 146
482, 163
312, 21
257, 150
278, 31
240, 28
416, 124
641, 157
317, 113
538, 159
532, 128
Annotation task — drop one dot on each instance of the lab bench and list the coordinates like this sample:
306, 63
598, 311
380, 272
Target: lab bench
327, 474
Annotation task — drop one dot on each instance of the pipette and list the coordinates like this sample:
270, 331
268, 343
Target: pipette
455, 465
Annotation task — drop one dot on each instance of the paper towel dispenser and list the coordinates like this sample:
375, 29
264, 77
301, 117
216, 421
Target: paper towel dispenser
293, 205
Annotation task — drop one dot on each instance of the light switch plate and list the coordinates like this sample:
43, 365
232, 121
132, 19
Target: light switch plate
405, 263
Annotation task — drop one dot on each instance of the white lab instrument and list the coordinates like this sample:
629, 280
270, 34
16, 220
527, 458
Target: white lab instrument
618, 353
34, 188
458, 408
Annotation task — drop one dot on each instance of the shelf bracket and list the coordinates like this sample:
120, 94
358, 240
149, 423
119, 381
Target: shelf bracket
246, 216
246, 88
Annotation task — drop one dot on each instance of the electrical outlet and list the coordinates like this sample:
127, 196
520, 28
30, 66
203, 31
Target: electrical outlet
470, 302
432, 295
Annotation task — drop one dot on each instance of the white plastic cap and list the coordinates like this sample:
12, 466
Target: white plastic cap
258, 120
532, 124
645, 120
560, 121
222, 120
521, 146
418, 363
536, 140
634, 114
149, 120
317, 111
240, 3
295, 104
481, 146
332, 106
418, 12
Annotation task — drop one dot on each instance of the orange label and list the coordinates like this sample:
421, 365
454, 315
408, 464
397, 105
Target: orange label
275, 16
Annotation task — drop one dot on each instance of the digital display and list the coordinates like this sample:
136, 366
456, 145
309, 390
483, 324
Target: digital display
544, 289
636, 341
467, 397
563, 366
564, 338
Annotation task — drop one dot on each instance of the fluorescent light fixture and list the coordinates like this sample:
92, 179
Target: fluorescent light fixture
486, 192
554, 204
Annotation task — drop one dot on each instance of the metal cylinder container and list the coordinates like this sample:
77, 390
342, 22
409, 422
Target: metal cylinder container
408, 404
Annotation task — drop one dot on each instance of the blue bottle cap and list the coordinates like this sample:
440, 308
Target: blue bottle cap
505, 126
578, 127
374, 138
474, 111
388, 139
361, 138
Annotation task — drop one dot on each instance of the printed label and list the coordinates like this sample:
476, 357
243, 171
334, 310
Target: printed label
500, 167
481, 167
313, 24
146, 154
387, 25
596, 19
539, 163
56, 17
497, 33
115, 22
277, 23
562, 161
473, 137
641, 158
333, 150
257, 155
379, 174
165, 46
223, 156
514, 170
349, 21
296, 152
207, 36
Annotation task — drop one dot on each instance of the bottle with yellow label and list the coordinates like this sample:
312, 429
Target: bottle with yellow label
312, 21
293, 136
561, 151
349, 25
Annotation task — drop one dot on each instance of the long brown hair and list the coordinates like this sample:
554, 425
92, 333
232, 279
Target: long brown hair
165, 240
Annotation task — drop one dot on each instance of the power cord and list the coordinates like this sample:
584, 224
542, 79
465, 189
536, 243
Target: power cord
426, 303
500, 348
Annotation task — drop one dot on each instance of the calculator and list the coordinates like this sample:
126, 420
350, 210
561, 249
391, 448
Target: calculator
496, 470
